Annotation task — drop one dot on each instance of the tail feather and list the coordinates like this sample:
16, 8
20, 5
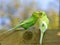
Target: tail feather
41, 37
8, 32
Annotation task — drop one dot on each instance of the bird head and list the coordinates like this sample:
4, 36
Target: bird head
39, 14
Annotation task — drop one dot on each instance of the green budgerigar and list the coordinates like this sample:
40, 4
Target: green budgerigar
43, 24
39, 16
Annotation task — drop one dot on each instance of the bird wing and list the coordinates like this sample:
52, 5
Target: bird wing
28, 23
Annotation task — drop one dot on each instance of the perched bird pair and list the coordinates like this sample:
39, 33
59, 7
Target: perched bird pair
43, 22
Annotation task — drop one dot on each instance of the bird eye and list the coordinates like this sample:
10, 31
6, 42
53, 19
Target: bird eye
40, 13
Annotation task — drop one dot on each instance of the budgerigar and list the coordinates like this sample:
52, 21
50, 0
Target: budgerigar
39, 16
43, 24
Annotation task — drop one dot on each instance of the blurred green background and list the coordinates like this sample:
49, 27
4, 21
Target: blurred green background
14, 11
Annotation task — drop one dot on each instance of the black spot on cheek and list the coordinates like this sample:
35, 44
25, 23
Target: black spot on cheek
42, 24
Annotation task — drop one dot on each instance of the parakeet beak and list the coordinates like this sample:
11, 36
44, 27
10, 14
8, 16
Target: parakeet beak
39, 16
